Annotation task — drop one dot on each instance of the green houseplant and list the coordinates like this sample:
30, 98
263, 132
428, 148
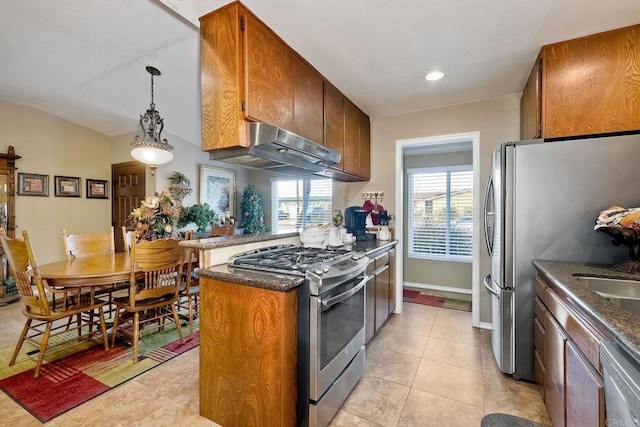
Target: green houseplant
201, 215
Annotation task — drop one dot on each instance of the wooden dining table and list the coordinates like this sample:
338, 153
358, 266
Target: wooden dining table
89, 271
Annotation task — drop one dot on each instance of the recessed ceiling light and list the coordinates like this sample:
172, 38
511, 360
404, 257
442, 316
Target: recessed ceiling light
434, 75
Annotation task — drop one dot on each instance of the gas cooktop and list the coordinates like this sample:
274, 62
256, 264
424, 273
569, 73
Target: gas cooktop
286, 259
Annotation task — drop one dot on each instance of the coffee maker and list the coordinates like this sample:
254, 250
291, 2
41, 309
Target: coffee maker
356, 222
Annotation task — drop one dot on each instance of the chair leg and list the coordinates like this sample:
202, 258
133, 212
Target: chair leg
103, 328
136, 333
114, 327
43, 348
23, 335
79, 327
177, 320
190, 308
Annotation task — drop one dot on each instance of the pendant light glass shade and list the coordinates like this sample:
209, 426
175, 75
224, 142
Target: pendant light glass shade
151, 148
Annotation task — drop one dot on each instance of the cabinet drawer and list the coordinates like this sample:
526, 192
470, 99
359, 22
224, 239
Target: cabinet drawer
540, 287
540, 310
381, 260
539, 372
539, 333
585, 339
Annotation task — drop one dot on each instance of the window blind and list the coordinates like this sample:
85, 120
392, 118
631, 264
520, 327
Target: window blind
302, 202
441, 213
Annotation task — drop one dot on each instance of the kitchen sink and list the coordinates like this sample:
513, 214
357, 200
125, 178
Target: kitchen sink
622, 293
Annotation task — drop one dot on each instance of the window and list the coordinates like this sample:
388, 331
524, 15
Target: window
441, 213
299, 203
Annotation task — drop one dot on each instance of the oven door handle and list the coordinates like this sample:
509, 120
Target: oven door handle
343, 296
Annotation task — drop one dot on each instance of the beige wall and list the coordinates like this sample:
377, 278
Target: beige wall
53, 146
497, 120
451, 274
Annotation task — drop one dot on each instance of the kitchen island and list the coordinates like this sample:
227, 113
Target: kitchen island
249, 335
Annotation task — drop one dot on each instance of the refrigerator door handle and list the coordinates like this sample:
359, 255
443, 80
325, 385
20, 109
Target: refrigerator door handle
488, 239
489, 286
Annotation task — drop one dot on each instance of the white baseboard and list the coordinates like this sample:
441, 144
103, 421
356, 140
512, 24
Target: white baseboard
485, 325
438, 288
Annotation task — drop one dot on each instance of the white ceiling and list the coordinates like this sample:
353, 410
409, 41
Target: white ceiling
84, 60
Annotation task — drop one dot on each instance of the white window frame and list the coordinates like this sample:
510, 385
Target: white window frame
435, 257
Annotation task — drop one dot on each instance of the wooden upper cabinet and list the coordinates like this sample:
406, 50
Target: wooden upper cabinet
308, 100
365, 146
221, 71
249, 74
268, 75
531, 104
591, 85
334, 122
351, 138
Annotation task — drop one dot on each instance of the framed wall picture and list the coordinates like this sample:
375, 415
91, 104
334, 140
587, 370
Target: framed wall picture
218, 189
66, 186
97, 189
31, 184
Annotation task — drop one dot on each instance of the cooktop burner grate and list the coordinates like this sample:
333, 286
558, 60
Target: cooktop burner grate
288, 259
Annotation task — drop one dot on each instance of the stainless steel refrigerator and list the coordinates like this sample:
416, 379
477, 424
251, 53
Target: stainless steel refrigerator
541, 203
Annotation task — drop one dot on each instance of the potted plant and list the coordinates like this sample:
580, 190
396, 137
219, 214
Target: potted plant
180, 186
200, 214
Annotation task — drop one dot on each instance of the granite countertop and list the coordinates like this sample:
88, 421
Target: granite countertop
280, 282
622, 324
223, 242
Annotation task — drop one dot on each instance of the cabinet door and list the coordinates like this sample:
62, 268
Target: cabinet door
554, 385
370, 310
268, 81
392, 280
382, 296
365, 146
591, 84
531, 104
351, 138
585, 391
334, 122
308, 101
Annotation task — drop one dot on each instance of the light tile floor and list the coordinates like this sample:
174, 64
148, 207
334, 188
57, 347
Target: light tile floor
426, 367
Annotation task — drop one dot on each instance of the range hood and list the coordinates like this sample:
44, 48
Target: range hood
276, 150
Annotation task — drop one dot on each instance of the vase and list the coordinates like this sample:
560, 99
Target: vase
337, 218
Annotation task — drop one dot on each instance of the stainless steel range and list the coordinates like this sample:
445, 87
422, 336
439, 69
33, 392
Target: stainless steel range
331, 313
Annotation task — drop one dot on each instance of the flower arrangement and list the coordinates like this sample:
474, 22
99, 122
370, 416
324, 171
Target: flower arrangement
156, 218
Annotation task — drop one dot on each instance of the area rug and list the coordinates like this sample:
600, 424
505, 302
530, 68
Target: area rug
76, 372
450, 300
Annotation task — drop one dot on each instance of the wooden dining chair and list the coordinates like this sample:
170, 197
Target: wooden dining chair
38, 309
154, 282
88, 244
126, 238
189, 293
83, 245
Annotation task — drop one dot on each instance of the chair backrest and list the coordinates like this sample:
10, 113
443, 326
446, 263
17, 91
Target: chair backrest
23, 265
161, 262
88, 244
126, 238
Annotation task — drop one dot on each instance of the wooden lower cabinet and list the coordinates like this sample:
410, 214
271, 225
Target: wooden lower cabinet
554, 378
370, 305
380, 290
382, 295
566, 363
584, 390
248, 344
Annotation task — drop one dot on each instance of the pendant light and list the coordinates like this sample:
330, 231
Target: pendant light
150, 148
